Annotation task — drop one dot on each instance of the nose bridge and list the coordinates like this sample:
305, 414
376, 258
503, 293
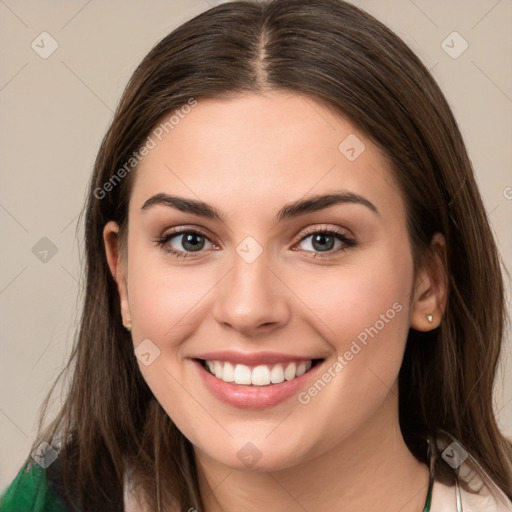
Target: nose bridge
251, 295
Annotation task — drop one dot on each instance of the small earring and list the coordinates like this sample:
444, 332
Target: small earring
430, 318
128, 328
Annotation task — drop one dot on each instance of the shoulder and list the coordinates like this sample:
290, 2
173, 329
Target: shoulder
31, 490
446, 498
473, 490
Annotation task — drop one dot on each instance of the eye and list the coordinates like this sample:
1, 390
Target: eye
324, 241
184, 243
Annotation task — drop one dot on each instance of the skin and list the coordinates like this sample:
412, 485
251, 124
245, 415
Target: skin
248, 157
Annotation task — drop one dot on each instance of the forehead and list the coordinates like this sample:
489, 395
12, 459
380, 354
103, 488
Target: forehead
262, 150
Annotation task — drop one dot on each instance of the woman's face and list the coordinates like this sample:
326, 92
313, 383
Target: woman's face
281, 277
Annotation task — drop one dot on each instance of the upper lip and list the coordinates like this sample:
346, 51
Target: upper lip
254, 358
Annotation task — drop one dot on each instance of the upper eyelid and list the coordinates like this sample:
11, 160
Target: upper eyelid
337, 230
185, 230
305, 231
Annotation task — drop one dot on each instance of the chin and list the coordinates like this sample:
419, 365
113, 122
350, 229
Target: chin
256, 457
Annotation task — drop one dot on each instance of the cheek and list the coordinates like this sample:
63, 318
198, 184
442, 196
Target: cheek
164, 298
166, 302
369, 291
362, 311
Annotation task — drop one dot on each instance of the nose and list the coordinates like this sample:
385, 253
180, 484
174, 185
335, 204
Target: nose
252, 298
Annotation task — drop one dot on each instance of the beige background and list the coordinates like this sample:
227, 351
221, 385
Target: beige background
54, 112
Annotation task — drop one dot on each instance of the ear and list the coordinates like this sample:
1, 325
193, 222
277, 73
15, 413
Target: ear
117, 264
430, 288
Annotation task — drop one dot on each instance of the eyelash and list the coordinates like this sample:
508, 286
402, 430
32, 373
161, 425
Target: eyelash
162, 242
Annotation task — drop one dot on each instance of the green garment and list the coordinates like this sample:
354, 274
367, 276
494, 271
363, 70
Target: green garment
31, 492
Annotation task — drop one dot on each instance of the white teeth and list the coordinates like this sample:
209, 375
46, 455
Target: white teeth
228, 374
242, 374
277, 374
217, 369
261, 375
301, 369
290, 371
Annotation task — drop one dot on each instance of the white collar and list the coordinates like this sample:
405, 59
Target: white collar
444, 499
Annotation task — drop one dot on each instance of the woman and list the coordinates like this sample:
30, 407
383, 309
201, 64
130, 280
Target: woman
294, 299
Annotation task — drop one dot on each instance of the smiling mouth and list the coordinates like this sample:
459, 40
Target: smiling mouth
259, 375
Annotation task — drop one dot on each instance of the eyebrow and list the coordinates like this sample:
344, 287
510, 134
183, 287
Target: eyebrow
290, 210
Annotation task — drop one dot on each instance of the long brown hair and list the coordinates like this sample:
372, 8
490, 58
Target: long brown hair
334, 52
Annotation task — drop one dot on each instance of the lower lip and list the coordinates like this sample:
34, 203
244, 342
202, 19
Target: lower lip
254, 397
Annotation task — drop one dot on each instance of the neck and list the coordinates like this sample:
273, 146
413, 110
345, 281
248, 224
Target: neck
370, 469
